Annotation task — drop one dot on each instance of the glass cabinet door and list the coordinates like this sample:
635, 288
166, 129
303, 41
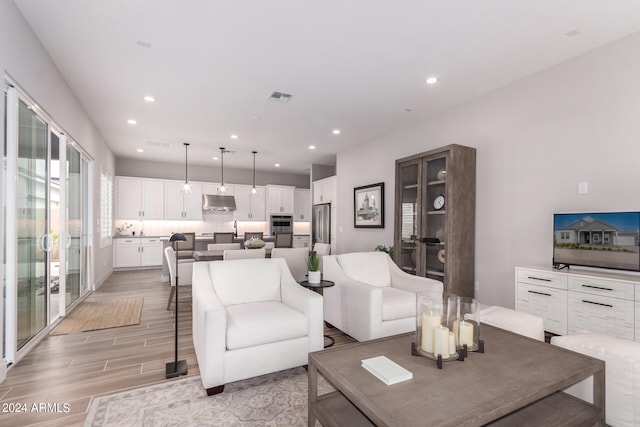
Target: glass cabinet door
435, 206
410, 201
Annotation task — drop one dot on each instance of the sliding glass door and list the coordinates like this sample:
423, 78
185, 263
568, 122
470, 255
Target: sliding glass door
33, 239
76, 223
46, 239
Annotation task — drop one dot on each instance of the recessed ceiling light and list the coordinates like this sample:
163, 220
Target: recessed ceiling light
234, 136
432, 80
312, 147
215, 158
336, 131
149, 98
277, 165
140, 150
131, 122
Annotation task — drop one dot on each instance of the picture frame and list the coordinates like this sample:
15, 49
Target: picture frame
368, 206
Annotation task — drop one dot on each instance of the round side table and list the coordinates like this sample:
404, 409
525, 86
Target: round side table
318, 287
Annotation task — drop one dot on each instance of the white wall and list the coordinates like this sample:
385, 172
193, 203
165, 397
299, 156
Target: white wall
24, 60
535, 140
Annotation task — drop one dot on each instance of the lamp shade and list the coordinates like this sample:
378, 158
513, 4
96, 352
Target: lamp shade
177, 237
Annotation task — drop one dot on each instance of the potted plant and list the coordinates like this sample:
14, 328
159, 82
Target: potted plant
387, 249
313, 264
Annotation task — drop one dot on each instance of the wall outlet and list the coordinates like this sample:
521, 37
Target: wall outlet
583, 187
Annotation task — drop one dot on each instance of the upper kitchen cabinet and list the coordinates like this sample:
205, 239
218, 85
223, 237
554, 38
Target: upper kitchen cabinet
139, 198
180, 205
302, 205
280, 199
435, 216
249, 206
324, 191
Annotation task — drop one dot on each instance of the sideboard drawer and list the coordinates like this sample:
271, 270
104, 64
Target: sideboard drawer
548, 303
542, 278
595, 313
603, 287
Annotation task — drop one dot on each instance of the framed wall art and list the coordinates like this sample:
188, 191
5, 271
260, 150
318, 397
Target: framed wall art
368, 206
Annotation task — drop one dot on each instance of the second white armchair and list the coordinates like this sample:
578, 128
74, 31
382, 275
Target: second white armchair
372, 296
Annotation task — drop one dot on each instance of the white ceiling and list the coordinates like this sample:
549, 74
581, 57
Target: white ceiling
358, 65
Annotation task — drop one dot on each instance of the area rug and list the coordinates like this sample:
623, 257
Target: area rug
97, 314
278, 399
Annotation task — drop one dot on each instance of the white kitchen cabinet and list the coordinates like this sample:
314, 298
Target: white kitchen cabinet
137, 252
324, 191
249, 206
302, 205
570, 301
151, 251
126, 252
279, 199
181, 206
301, 241
139, 198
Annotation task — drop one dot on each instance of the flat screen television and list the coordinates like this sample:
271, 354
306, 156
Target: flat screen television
604, 240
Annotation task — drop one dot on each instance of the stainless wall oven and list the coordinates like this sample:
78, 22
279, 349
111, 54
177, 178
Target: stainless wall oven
280, 224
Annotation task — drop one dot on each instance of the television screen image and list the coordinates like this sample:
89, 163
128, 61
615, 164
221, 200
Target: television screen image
605, 240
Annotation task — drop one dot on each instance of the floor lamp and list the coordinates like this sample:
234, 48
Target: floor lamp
177, 367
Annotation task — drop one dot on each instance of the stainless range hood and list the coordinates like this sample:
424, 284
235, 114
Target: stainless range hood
217, 202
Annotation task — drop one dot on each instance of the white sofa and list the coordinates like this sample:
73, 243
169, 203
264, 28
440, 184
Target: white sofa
622, 374
250, 318
520, 322
185, 271
372, 296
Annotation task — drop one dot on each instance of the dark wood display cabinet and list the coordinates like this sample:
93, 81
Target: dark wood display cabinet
435, 216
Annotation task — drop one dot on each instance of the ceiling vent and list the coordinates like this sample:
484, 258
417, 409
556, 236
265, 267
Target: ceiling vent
280, 97
157, 144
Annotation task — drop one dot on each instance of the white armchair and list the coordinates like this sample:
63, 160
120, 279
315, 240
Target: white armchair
185, 272
622, 373
372, 296
250, 318
296, 259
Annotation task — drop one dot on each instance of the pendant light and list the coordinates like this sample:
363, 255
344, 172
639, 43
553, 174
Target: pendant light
221, 189
253, 189
186, 188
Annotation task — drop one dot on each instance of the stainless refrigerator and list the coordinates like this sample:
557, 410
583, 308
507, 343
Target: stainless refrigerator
321, 225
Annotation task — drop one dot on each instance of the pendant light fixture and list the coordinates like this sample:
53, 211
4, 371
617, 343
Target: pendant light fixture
186, 188
253, 189
221, 189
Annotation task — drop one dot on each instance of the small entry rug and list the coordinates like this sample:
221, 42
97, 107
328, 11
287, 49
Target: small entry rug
278, 399
101, 314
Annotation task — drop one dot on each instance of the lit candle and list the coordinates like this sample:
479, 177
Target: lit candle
466, 334
430, 321
441, 341
452, 343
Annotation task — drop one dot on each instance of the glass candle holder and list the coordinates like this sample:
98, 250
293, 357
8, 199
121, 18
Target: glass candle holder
434, 317
466, 324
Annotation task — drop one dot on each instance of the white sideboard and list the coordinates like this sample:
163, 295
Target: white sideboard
574, 300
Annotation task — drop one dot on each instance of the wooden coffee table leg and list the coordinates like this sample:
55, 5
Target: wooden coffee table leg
313, 392
599, 392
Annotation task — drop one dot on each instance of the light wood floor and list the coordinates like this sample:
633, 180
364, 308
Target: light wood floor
72, 369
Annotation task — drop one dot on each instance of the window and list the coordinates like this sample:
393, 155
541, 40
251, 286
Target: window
106, 206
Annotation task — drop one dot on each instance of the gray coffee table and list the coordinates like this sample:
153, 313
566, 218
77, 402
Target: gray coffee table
517, 381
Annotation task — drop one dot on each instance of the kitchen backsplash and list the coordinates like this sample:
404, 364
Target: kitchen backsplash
214, 222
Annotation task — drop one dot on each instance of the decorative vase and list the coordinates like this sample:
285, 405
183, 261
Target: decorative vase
314, 277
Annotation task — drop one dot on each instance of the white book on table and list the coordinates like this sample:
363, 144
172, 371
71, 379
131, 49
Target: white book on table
386, 370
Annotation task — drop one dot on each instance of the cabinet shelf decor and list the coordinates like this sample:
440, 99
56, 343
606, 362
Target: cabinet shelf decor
435, 216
